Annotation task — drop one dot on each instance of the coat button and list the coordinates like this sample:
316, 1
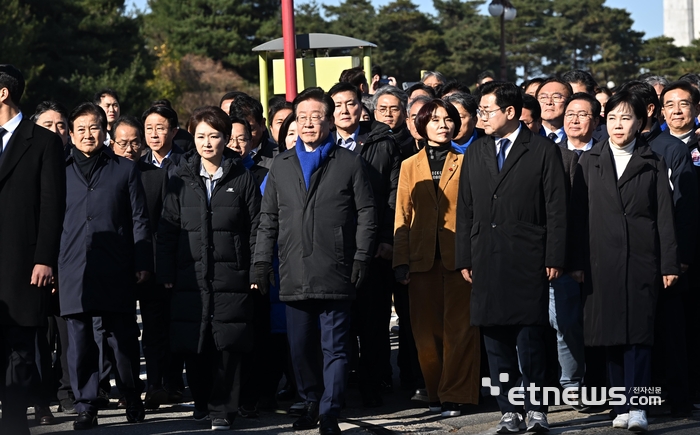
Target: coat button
91, 189
440, 229
495, 196
493, 225
89, 218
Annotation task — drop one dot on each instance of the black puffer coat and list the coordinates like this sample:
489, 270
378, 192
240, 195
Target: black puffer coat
206, 250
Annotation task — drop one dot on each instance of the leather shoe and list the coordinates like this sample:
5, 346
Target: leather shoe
134, 410
43, 415
308, 420
329, 425
155, 397
85, 421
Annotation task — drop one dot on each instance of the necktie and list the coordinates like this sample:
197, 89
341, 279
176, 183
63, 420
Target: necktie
502, 153
553, 137
2, 144
578, 152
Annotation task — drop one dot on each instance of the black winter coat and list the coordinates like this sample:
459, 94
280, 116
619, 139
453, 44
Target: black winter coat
625, 242
205, 251
511, 226
33, 203
171, 163
319, 232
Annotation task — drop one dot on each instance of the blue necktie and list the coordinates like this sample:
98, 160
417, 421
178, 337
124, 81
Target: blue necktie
578, 152
502, 153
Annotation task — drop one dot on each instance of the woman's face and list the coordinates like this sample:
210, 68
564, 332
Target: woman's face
440, 128
622, 125
210, 142
291, 140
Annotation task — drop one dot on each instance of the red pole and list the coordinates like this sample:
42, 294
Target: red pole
290, 58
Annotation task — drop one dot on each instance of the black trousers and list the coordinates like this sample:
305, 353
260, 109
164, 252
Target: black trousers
46, 390
87, 332
21, 377
64, 389
371, 315
325, 383
154, 302
254, 368
214, 378
629, 366
508, 345
407, 358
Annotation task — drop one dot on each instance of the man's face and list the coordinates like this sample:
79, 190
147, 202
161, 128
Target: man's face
111, 108
159, 135
347, 110
532, 89
389, 111
226, 105
312, 122
602, 99
679, 111
552, 98
411, 121
257, 130
126, 142
87, 135
468, 123
432, 81
532, 124
580, 121
277, 121
240, 140
494, 118
54, 121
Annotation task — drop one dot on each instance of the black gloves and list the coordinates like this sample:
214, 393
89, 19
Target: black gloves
359, 273
401, 272
264, 276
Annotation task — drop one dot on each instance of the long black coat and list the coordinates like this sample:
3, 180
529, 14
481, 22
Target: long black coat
155, 183
321, 232
510, 226
106, 238
206, 251
33, 201
625, 242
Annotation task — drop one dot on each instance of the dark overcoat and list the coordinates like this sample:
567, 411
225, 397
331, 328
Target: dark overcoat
206, 252
33, 201
321, 231
624, 241
106, 238
511, 226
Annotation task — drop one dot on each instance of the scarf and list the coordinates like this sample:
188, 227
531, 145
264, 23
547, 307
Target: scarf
311, 161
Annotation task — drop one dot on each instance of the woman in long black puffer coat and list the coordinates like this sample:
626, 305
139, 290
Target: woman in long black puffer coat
205, 239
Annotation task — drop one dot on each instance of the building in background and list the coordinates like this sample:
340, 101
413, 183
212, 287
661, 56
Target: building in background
682, 21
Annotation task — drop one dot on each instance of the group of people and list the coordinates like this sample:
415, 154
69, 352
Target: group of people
500, 224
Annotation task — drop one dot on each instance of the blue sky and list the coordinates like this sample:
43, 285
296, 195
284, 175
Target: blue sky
647, 14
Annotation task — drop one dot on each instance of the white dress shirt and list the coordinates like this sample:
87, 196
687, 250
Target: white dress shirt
511, 137
10, 127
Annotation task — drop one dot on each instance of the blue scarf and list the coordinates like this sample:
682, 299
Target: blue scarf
460, 149
248, 161
311, 161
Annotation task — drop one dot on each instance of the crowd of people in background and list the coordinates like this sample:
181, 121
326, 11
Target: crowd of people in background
537, 235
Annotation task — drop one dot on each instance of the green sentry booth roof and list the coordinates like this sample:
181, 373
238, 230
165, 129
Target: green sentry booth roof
315, 41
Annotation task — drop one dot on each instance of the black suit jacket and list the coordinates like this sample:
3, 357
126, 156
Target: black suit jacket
33, 198
155, 183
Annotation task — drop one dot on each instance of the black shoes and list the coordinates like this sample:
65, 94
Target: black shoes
85, 421
155, 397
135, 412
309, 418
329, 425
102, 401
43, 415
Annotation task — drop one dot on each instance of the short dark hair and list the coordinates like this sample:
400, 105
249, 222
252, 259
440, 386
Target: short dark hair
213, 116
97, 98
231, 95
345, 87
630, 98
162, 102
453, 86
316, 94
420, 86
606, 91
275, 104
581, 76
691, 78
683, 85
47, 106
533, 81
164, 111
585, 96
485, 74
355, 76
284, 129
426, 113
376, 70
646, 92
245, 106
87, 108
244, 122
130, 121
12, 79
507, 94
467, 101
530, 103
555, 80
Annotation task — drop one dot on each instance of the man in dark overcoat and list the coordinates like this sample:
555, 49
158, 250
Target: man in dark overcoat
33, 198
511, 241
106, 249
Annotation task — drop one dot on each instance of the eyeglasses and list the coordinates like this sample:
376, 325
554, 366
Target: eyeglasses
583, 116
394, 110
315, 118
556, 98
240, 140
134, 145
486, 114
683, 104
159, 129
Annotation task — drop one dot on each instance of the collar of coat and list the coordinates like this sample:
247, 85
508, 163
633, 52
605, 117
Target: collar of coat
641, 159
193, 161
106, 153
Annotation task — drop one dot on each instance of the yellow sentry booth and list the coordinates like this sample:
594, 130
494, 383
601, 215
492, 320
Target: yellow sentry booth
314, 70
